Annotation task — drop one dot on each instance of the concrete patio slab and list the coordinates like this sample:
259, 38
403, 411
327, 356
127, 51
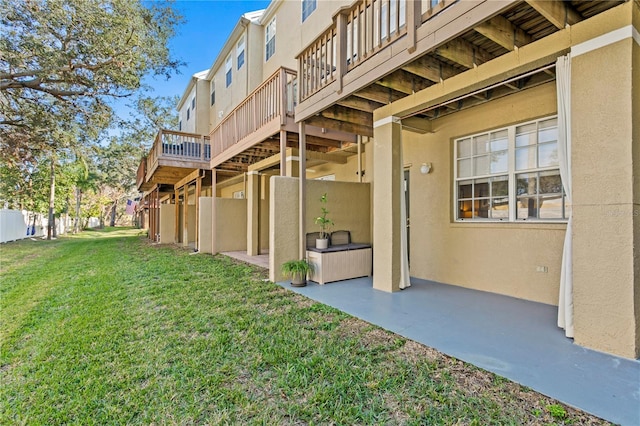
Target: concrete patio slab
513, 338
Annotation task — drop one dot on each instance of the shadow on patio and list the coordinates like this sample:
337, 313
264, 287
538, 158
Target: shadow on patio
513, 338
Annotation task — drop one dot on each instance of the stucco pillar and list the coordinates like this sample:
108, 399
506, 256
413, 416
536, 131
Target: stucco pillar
387, 167
606, 194
253, 218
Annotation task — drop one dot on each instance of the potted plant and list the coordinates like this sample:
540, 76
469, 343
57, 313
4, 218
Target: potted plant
324, 222
297, 270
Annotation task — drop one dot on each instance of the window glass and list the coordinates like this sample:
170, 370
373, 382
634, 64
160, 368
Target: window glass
488, 187
228, 67
240, 52
308, 6
270, 39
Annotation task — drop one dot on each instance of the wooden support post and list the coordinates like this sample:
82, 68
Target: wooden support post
185, 216
302, 152
176, 201
214, 244
341, 49
414, 20
197, 195
283, 152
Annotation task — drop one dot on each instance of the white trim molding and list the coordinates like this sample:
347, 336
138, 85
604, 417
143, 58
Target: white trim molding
606, 39
387, 120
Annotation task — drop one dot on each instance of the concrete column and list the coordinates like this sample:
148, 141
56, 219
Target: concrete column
253, 209
387, 167
606, 195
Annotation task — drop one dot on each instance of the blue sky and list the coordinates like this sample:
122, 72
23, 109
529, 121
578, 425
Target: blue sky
199, 39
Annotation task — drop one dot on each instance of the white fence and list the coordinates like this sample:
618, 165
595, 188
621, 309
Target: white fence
16, 225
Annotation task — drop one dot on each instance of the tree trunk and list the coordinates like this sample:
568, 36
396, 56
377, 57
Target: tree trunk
113, 213
76, 223
52, 197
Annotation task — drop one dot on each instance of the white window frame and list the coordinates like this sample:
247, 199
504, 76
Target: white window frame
511, 174
270, 39
228, 70
240, 52
308, 7
213, 93
193, 103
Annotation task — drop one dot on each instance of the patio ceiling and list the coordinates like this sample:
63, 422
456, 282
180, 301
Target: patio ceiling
519, 25
241, 162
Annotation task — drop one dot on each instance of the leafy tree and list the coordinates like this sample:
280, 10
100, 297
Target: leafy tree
72, 55
60, 63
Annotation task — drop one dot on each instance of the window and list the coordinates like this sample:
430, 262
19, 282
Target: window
213, 93
270, 39
308, 6
327, 177
240, 52
193, 103
188, 113
510, 174
228, 66
180, 125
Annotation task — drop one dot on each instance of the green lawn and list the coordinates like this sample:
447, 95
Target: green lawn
104, 328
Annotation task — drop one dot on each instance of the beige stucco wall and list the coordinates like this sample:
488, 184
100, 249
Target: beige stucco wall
263, 213
227, 191
202, 107
231, 225
293, 35
283, 224
167, 223
188, 125
605, 204
635, 114
343, 172
191, 224
205, 231
498, 257
348, 205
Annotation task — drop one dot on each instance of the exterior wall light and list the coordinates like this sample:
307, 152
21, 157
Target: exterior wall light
425, 168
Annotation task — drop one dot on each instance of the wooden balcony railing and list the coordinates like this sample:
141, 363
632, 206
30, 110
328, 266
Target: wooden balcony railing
179, 146
357, 33
142, 172
273, 100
